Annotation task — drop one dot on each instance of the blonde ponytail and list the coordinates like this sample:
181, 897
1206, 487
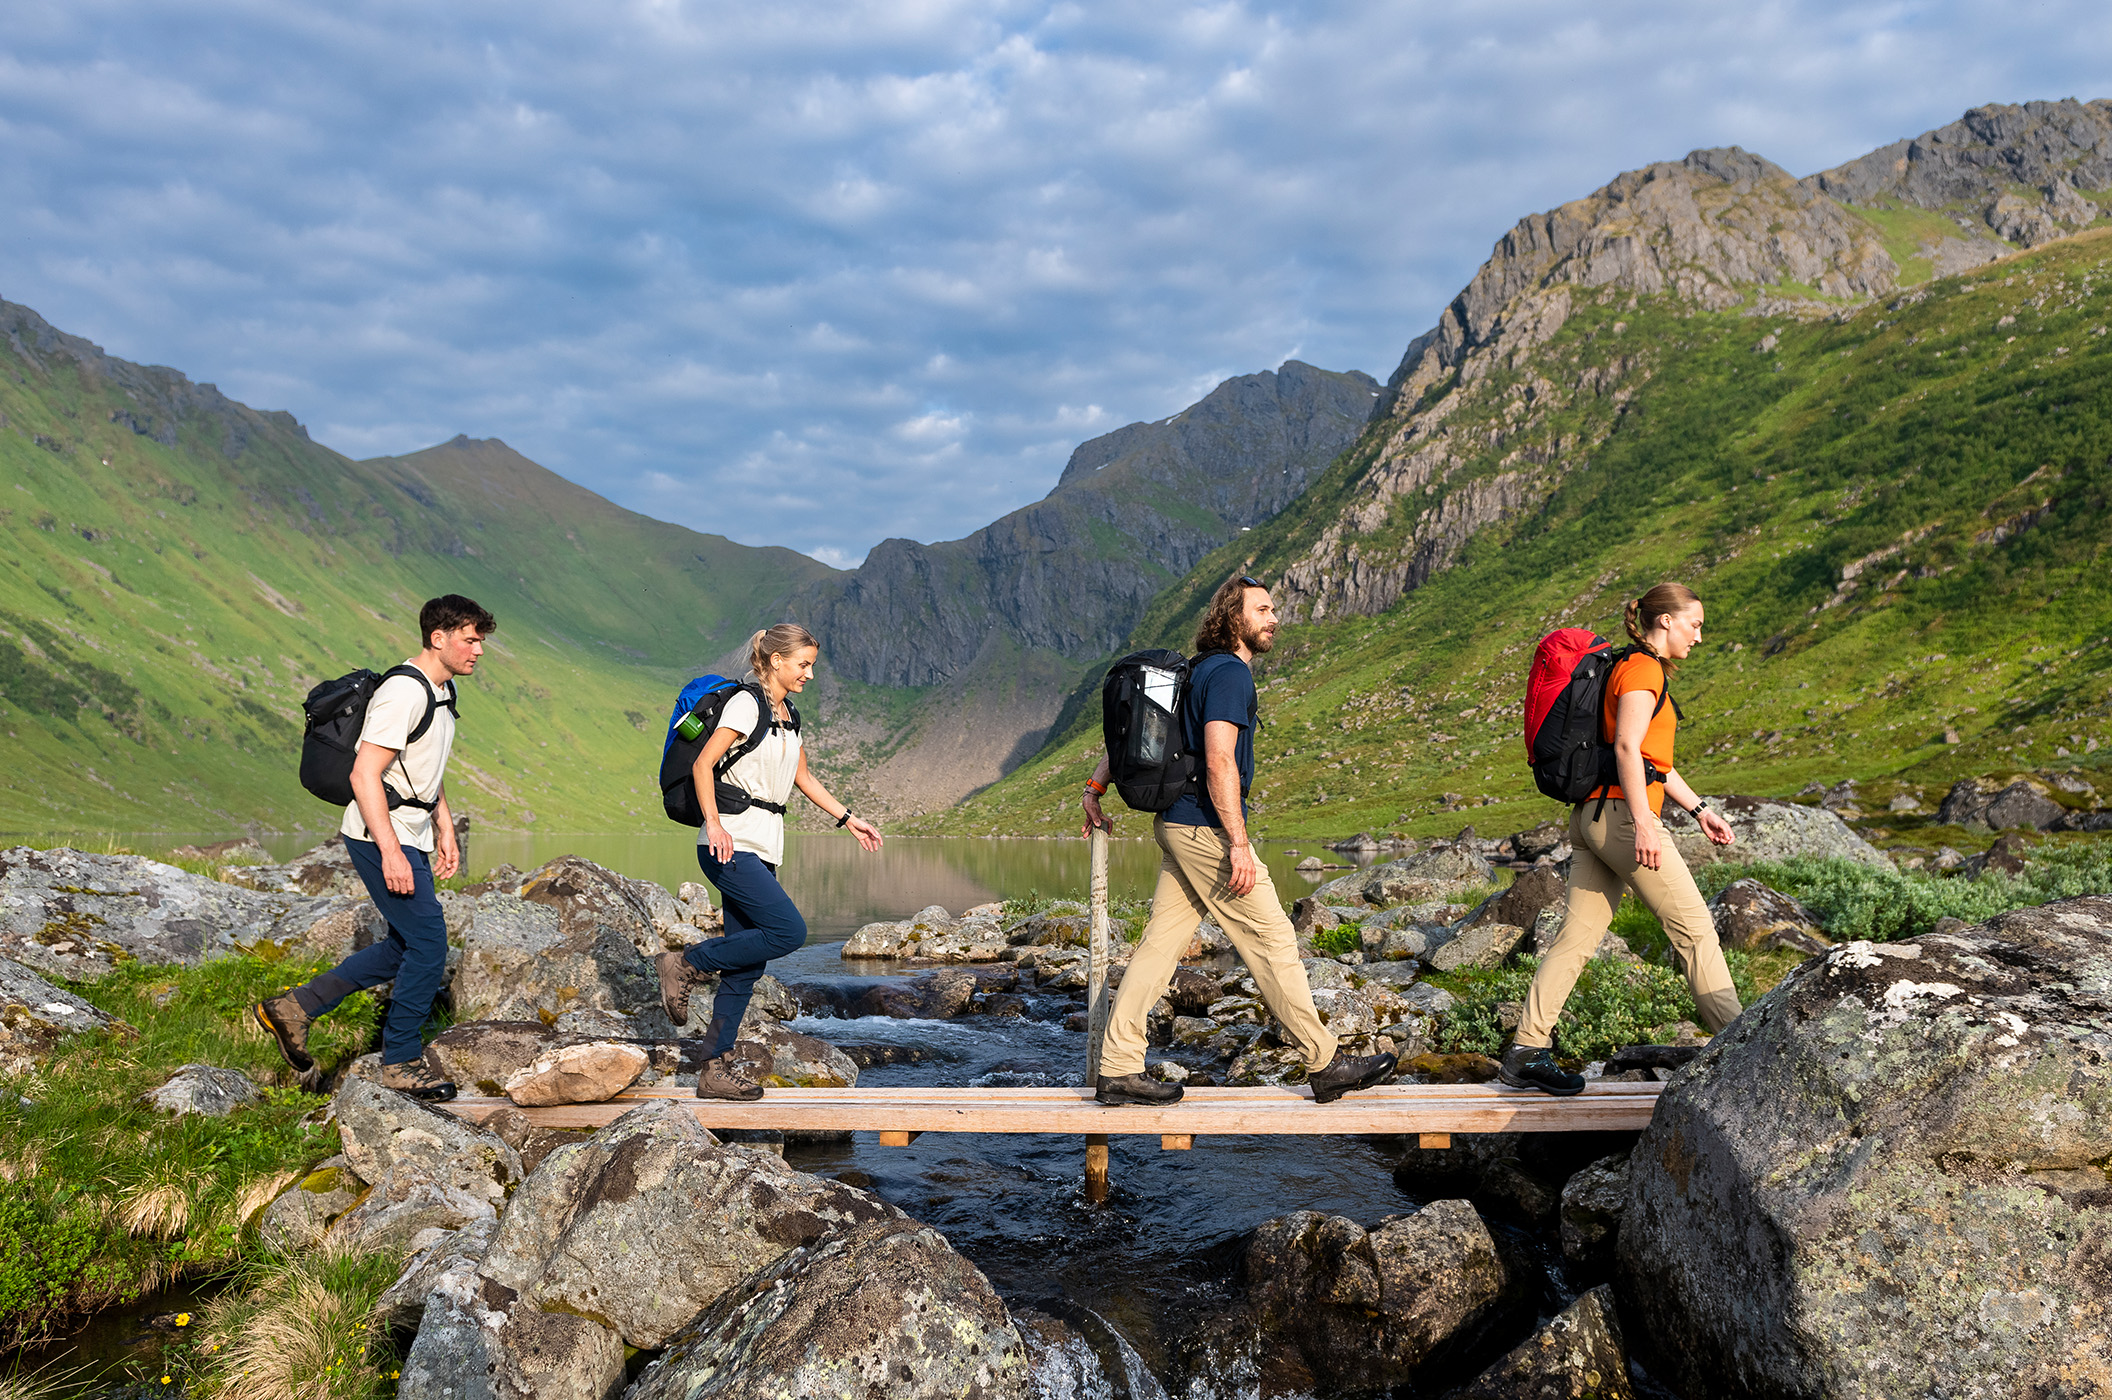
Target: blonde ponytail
781, 640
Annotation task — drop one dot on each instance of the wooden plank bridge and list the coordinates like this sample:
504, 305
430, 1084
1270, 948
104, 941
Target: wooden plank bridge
1428, 1112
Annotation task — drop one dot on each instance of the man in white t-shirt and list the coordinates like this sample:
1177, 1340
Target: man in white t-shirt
401, 837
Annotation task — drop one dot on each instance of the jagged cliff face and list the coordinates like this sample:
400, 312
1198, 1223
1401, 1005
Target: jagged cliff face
1070, 574
1484, 418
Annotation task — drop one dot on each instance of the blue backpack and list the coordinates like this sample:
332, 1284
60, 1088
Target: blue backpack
704, 700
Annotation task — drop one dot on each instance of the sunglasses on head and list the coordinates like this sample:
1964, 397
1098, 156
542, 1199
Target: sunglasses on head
1251, 581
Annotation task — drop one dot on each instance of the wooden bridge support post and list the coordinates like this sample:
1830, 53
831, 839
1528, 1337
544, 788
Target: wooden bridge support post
1096, 1014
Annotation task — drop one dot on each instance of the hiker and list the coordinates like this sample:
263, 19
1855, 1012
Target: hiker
401, 837
741, 851
1618, 849
1208, 867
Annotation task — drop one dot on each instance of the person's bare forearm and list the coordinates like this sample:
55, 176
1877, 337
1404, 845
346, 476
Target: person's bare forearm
1628, 766
1683, 796
1224, 796
372, 799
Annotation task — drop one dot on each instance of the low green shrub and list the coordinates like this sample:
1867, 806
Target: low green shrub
1613, 1004
106, 1198
1343, 938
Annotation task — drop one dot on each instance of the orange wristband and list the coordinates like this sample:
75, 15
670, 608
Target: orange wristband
1096, 789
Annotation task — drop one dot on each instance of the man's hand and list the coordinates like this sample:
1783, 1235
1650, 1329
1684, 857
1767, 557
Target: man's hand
1095, 817
1246, 870
1716, 828
396, 871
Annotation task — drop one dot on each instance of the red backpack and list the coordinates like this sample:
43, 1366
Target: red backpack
1565, 697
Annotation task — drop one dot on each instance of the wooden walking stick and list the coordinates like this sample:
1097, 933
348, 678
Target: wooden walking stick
1096, 1014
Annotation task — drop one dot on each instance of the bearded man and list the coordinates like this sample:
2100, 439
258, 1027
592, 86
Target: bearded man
1208, 867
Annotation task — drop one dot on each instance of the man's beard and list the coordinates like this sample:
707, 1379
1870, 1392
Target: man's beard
1261, 640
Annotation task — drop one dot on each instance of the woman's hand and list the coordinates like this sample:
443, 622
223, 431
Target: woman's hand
1716, 828
1649, 837
717, 840
868, 835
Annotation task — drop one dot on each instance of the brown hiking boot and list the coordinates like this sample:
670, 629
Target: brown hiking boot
284, 1020
418, 1079
722, 1078
677, 980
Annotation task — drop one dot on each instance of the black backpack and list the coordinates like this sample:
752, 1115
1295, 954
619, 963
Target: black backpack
1143, 719
336, 713
705, 698
1564, 714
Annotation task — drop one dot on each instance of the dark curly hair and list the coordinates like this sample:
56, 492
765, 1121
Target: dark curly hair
1219, 629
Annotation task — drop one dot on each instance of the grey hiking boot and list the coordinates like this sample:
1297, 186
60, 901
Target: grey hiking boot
722, 1078
1534, 1067
1134, 1088
1346, 1073
284, 1020
418, 1079
677, 980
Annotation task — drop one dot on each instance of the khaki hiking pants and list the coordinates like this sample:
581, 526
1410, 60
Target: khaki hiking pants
1604, 863
1195, 866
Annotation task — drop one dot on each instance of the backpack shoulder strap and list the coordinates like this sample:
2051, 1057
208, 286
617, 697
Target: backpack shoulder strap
432, 702
753, 739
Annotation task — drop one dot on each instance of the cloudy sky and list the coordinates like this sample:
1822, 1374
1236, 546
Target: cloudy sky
818, 274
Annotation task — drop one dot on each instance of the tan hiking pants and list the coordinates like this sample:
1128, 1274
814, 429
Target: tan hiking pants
1603, 865
1194, 868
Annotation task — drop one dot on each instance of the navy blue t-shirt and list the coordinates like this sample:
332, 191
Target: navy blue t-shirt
1220, 687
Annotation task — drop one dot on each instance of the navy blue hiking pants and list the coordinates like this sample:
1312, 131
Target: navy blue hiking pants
761, 924
413, 956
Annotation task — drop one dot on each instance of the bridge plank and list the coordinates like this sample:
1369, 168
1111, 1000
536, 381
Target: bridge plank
1417, 1109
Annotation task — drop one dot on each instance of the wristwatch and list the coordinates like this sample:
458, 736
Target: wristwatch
1697, 809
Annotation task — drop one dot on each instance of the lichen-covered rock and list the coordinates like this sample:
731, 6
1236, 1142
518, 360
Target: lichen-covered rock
1367, 1308
325, 869
1986, 806
1592, 1204
879, 940
334, 926
76, 915
520, 962
1442, 873
35, 1016
484, 1054
1521, 903
304, 1210
1751, 916
589, 899
382, 1129
590, 1073
966, 941
478, 1340
1480, 945
1768, 830
1577, 1356
1064, 924
1888, 1177
647, 1222
402, 1303
206, 1090
884, 1308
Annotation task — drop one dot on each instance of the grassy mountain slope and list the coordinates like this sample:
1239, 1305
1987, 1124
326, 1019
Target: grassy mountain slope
1897, 517
179, 569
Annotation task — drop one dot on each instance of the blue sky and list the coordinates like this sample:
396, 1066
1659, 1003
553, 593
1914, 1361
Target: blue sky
819, 274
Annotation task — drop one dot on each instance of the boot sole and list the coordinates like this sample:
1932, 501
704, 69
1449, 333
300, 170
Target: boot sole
1517, 1083
283, 1039
440, 1095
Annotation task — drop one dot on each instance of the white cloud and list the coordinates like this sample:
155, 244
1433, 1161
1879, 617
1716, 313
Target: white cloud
720, 262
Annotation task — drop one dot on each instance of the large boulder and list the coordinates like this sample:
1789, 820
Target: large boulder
429, 1170
883, 1308
1577, 1356
322, 870
1593, 1202
1444, 872
35, 1016
1369, 1308
1751, 916
479, 1340
76, 915
523, 960
1986, 806
402, 1303
304, 1210
591, 1073
1888, 1177
1534, 890
1769, 830
589, 897
646, 1223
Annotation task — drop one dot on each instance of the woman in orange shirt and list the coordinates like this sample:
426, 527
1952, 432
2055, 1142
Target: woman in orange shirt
1618, 850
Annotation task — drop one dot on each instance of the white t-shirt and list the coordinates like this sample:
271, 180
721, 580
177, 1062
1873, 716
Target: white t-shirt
395, 709
768, 773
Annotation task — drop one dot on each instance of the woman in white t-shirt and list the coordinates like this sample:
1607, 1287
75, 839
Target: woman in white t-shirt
741, 850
